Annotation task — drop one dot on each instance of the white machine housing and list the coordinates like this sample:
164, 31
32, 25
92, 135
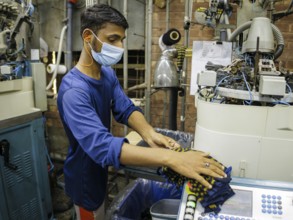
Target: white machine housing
26, 95
257, 141
260, 28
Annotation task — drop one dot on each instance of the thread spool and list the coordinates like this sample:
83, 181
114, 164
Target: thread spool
171, 37
61, 69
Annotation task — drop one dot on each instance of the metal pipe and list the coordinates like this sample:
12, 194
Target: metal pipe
188, 11
173, 101
68, 54
165, 92
167, 14
148, 63
228, 30
125, 59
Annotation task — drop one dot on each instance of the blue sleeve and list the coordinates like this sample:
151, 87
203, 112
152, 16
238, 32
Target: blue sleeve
122, 106
88, 130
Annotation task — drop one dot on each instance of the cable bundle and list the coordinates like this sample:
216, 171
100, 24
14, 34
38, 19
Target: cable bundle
210, 199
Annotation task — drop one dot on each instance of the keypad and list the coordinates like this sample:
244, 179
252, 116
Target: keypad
271, 204
211, 216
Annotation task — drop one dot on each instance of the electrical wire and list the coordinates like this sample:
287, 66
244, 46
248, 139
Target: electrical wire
290, 90
219, 83
47, 152
248, 88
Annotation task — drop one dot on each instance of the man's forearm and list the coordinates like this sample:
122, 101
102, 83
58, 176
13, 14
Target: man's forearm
138, 123
145, 156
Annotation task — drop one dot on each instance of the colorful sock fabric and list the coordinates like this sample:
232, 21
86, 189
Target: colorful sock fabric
210, 199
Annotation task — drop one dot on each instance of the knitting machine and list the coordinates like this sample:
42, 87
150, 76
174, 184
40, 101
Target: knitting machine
24, 183
245, 109
22, 83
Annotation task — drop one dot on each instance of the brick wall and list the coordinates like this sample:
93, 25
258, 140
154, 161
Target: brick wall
286, 27
57, 140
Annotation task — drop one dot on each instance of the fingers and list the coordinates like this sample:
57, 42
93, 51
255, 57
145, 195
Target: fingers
213, 163
211, 171
172, 144
205, 166
201, 180
159, 140
213, 168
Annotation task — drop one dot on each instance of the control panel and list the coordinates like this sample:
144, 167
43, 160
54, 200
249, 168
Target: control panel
250, 202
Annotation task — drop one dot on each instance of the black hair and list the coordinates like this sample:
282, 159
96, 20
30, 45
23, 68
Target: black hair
96, 16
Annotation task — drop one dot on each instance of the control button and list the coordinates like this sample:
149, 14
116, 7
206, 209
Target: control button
191, 198
190, 204
275, 212
264, 211
274, 201
274, 197
263, 196
263, 201
280, 212
280, 207
269, 196
188, 217
279, 197
264, 205
269, 201
269, 211
274, 207
269, 206
280, 202
189, 211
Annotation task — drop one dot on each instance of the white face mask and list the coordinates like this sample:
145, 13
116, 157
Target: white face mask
109, 54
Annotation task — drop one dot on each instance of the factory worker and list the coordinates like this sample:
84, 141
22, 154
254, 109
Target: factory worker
88, 94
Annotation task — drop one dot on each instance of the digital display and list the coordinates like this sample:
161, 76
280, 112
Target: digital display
240, 204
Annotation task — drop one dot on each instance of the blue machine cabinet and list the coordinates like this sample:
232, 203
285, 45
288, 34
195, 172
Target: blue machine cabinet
24, 183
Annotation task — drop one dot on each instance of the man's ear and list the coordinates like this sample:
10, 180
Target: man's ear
86, 35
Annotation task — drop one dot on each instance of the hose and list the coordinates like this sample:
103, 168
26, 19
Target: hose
58, 58
239, 30
278, 35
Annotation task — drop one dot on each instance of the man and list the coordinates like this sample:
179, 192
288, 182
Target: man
87, 96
